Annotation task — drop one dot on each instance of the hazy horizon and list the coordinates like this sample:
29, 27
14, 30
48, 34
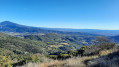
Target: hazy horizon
59, 27
74, 14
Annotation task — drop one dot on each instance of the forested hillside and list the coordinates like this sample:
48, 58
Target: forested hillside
15, 50
62, 42
20, 45
20, 49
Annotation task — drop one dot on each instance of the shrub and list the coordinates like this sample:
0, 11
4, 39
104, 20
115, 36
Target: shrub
75, 53
72, 53
84, 47
5, 61
92, 50
64, 56
107, 46
20, 63
53, 56
104, 43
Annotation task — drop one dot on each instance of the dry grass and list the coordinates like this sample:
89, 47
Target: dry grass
71, 62
55, 63
106, 52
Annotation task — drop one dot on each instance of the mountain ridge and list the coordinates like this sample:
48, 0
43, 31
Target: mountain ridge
8, 26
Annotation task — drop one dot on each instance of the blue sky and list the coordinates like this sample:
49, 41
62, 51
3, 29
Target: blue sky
78, 14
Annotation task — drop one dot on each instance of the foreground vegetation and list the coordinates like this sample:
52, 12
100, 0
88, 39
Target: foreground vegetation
95, 60
86, 56
55, 50
18, 51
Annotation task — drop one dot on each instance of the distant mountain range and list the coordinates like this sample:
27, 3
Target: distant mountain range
10, 27
17, 29
91, 31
